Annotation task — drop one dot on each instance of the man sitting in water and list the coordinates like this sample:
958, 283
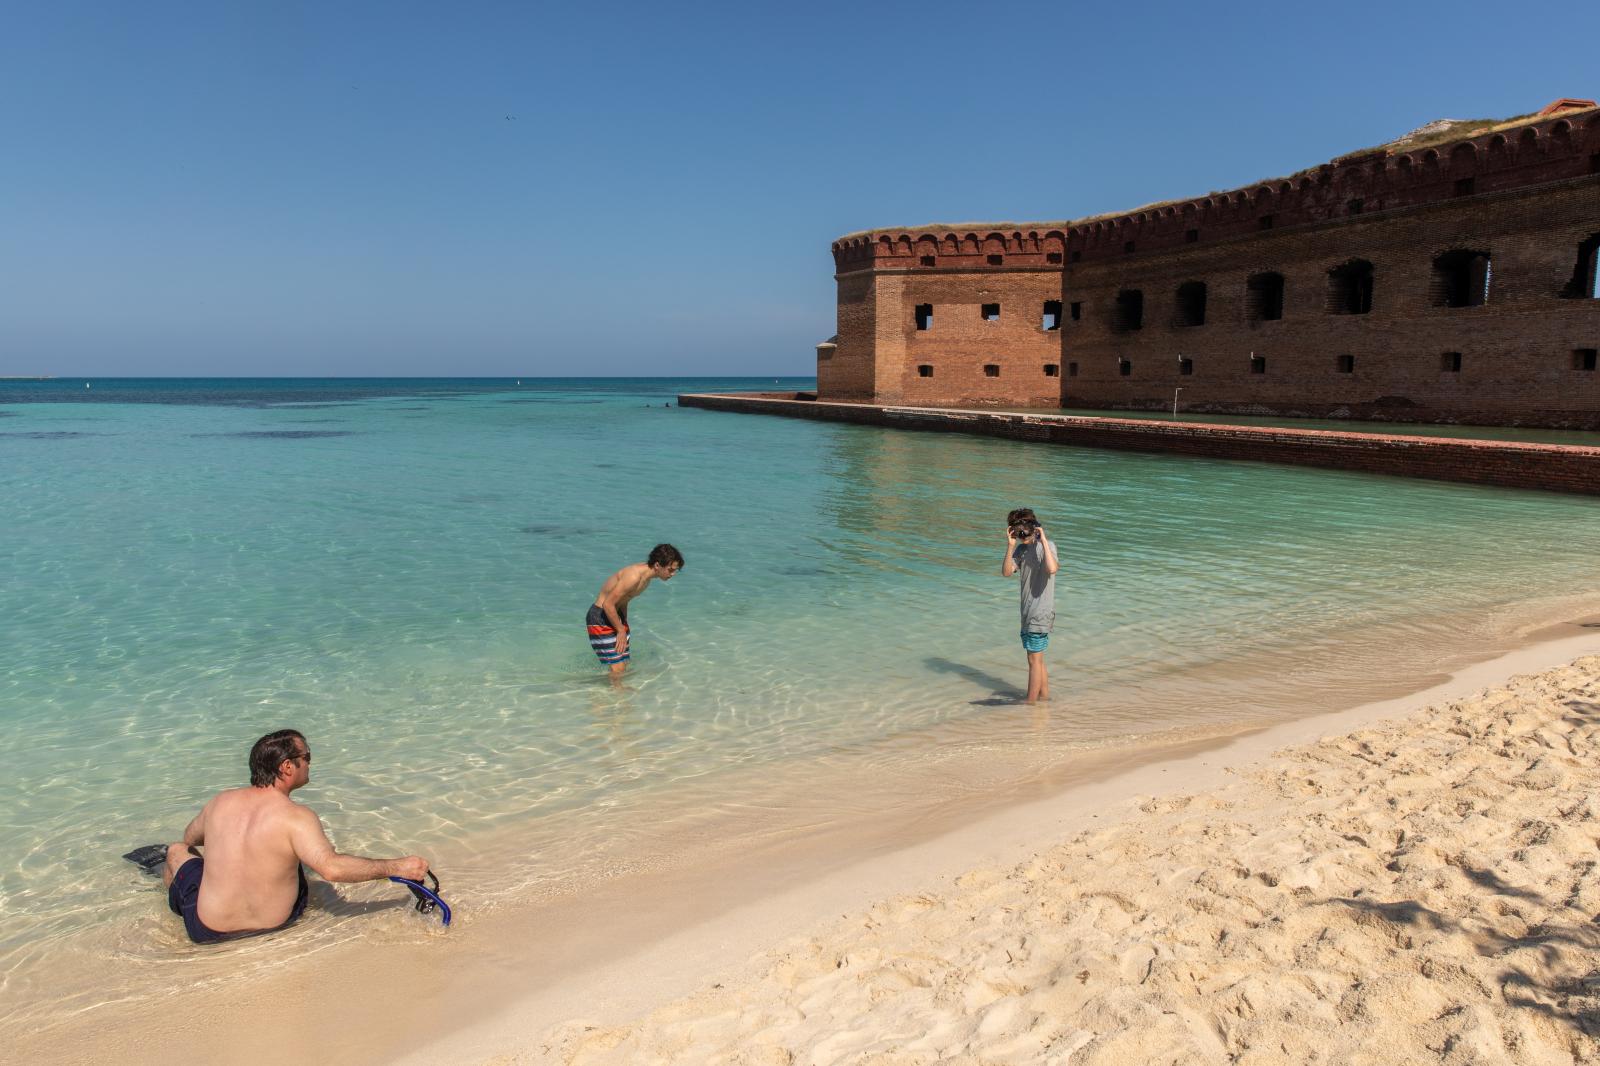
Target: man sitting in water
608, 615
256, 839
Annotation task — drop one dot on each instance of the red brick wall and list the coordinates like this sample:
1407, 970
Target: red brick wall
1516, 350
1527, 195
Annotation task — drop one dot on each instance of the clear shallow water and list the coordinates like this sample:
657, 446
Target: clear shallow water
400, 570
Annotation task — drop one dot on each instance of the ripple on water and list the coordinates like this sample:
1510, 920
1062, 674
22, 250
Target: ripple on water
839, 645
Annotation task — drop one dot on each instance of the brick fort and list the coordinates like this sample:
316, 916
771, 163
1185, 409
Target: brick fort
1449, 276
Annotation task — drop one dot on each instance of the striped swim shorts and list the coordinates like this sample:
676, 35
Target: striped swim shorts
603, 637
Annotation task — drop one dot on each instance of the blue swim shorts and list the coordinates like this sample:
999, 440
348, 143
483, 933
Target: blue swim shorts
183, 896
603, 638
1035, 641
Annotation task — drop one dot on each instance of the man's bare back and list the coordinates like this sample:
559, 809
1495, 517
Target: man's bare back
252, 869
255, 841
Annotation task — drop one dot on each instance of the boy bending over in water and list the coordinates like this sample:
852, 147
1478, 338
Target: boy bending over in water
608, 616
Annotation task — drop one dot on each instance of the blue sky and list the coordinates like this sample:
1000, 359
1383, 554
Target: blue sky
479, 188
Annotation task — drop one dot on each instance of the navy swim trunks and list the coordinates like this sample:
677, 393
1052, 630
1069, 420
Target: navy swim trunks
183, 896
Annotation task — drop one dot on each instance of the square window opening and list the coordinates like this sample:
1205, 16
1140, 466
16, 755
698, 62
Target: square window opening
1346, 364
1583, 359
1051, 319
1265, 222
1052, 257
1130, 311
1191, 236
924, 316
1464, 186
1127, 246
991, 370
929, 260
1185, 366
1052, 370
1077, 257
1450, 362
1077, 310
1263, 297
990, 312
996, 260
1125, 368
1258, 364
925, 371
1072, 370
1356, 206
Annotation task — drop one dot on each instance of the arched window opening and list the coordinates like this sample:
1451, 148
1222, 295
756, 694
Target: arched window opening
1585, 283
1461, 279
1350, 288
1129, 314
1263, 297
1191, 306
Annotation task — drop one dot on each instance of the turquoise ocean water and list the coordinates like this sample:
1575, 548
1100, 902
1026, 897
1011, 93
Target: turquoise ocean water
400, 569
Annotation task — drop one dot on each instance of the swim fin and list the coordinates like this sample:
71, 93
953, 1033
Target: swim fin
148, 858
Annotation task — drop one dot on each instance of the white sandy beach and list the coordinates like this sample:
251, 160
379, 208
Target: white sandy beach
1420, 889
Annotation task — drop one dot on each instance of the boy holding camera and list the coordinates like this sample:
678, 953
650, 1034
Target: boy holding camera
1030, 553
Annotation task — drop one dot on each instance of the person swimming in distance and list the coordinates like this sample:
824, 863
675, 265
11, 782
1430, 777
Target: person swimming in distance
607, 618
258, 842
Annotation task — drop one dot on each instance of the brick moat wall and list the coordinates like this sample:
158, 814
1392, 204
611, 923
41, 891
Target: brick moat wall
1328, 294
1553, 467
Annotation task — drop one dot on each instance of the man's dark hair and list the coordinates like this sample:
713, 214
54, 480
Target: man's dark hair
268, 753
1021, 514
666, 555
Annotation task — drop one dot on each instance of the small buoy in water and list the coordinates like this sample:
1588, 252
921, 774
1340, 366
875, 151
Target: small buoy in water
86, 384
519, 381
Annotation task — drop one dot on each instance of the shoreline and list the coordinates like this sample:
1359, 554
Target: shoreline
732, 948
497, 979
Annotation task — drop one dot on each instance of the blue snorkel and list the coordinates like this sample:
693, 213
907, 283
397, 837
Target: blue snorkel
427, 898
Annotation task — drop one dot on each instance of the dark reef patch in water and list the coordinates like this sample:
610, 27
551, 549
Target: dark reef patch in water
51, 434
549, 529
547, 400
281, 434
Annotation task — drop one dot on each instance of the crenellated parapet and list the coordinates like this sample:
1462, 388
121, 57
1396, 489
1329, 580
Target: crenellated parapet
1560, 143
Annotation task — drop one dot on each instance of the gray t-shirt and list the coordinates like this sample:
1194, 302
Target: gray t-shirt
1038, 588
